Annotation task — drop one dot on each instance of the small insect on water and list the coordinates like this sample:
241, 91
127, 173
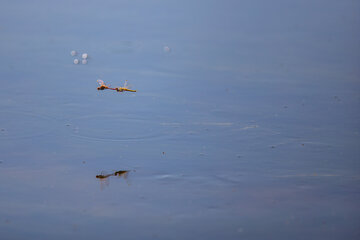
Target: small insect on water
125, 88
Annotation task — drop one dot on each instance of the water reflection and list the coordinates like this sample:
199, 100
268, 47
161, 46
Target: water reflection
104, 178
122, 173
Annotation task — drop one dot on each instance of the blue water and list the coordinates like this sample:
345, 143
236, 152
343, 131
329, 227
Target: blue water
245, 123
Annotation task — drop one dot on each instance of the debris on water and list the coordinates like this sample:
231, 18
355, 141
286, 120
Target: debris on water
84, 55
76, 61
73, 53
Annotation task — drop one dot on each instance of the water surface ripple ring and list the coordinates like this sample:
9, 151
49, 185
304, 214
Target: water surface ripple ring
116, 127
18, 124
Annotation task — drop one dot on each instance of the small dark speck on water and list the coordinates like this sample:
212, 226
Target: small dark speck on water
75, 227
83, 162
272, 146
337, 98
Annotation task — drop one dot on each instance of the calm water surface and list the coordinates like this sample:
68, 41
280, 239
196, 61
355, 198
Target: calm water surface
245, 124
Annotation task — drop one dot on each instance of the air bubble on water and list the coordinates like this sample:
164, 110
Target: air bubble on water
73, 53
76, 61
84, 55
84, 61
